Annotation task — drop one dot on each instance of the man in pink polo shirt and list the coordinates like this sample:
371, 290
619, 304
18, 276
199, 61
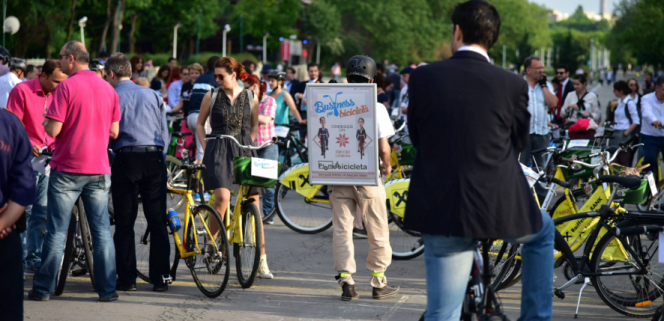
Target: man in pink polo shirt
29, 101
84, 114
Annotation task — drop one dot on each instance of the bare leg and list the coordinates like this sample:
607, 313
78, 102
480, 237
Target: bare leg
222, 197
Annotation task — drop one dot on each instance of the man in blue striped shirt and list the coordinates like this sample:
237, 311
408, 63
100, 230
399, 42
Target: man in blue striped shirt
540, 99
203, 84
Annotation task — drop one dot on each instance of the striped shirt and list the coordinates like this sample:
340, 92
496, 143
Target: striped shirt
539, 117
267, 107
203, 85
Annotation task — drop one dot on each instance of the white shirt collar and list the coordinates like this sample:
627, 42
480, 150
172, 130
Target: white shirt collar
565, 83
627, 98
477, 50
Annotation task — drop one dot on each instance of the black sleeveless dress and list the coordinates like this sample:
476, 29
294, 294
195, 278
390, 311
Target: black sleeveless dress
219, 153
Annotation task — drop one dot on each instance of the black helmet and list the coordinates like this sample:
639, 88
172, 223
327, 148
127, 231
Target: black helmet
4, 53
17, 63
276, 74
96, 65
362, 66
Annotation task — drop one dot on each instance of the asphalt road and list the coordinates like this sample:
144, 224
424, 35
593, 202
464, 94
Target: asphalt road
303, 289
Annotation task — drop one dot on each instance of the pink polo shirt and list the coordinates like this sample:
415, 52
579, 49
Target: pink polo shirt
86, 105
29, 102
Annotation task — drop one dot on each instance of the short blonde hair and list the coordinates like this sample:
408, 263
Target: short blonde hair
196, 66
142, 81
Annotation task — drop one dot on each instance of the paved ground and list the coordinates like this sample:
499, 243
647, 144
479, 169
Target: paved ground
303, 289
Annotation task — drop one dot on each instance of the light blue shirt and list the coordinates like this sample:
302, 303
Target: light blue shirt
539, 112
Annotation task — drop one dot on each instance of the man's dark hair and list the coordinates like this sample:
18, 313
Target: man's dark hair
380, 67
291, 69
211, 61
555, 81
621, 85
50, 66
30, 69
312, 64
581, 78
529, 61
563, 66
321, 119
388, 82
479, 22
660, 81
103, 54
119, 64
171, 59
77, 49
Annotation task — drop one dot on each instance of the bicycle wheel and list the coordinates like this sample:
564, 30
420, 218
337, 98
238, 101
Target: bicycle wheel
142, 239
176, 178
86, 239
635, 295
302, 215
654, 203
248, 253
405, 244
67, 256
502, 259
210, 269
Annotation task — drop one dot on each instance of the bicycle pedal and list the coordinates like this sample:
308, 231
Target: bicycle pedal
559, 294
79, 272
200, 232
167, 279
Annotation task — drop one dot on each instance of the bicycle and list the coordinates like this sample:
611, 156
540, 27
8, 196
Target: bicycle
176, 176
205, 254
243, 224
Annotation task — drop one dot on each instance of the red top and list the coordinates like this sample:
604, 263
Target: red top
29, 103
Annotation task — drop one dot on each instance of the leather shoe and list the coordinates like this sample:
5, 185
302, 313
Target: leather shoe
125, 287
34, 297
348, 292
113, 297
385, 292
160, 287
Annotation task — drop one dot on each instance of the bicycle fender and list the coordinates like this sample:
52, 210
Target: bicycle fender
297, 178
397, 194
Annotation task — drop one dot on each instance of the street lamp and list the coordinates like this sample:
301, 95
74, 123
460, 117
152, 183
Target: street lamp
290, 56
175, 39
267, 34
227, 28
592, 53
81, 23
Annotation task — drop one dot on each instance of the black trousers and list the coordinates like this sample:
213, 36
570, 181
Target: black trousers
144, 173
11, 278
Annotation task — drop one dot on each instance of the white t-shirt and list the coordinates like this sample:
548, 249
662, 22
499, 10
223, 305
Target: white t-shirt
383, 123
651, 111
7, 83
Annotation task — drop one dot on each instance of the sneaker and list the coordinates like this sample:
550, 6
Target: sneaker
206, 196
113, 297
34, 297
160, 287
385, 292
360, 233
270, 222
348, 292
264, 270
197, 198
125, 287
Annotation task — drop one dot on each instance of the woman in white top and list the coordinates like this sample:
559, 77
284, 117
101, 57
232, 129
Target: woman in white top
634, 87
626, 118
581, 103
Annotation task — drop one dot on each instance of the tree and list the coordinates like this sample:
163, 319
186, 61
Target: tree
637, 30
323, 23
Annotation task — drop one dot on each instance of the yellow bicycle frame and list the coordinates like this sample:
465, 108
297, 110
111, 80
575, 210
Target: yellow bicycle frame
189, 223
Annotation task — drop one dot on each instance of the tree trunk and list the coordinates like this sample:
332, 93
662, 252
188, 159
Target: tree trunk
71, 20
102, 44
117, 24
192, 47
134, 18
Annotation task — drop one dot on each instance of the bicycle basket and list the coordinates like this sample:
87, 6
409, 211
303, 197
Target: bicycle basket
242, 174
405, 153
579, 152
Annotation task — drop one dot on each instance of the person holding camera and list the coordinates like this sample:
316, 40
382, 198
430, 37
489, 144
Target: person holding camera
540, 99
581, 103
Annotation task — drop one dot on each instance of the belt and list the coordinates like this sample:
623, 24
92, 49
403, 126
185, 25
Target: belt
140, 149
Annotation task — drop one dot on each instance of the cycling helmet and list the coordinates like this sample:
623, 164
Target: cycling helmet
4, 53
362, 66
276, 74
96, 65
18, 63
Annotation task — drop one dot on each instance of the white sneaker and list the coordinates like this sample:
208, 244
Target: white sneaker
264, 270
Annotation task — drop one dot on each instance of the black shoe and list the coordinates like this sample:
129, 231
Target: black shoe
34, 297
113, 297
385, 292
348, 292
160, 287
125, 287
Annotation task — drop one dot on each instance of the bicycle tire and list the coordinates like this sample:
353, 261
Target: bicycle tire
248, 255
67, 258
211, 262
653, 202
142, 239
617, 300
508, 272
402, 238
320, 217
175, 179
86, 239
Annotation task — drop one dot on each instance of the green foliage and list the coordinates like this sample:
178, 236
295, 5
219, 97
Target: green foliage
204, 56
638, 31
261, 16
323, 23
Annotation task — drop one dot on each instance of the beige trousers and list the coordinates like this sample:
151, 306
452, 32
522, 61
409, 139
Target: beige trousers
370, 202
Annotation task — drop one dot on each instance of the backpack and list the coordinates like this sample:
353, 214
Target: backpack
638, 112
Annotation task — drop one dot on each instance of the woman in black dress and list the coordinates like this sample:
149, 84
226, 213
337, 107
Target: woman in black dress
234, 112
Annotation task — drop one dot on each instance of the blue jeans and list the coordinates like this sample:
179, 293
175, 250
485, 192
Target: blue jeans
36, 215
63, 191
449, 259
652, 145
271, 152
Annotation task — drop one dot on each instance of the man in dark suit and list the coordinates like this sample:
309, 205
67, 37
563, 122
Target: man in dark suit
291, 84
468, 120
566, 86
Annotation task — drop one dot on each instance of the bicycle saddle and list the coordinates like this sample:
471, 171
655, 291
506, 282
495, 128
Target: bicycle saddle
192, 167
180, 134
630, 181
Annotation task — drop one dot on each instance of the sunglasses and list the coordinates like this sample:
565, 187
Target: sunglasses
219, 77
632, 85
561, 73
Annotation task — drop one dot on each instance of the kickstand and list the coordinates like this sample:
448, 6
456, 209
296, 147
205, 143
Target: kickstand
586, 281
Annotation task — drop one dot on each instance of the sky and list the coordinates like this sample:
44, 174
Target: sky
568, 6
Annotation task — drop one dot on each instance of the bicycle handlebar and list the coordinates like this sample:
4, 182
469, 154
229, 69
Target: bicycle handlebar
402, 127
266, 144
636, 230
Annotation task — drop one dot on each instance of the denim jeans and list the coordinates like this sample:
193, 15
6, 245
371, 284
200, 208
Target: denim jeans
652, 145
63, 191
271, 152
33, 237
448, 262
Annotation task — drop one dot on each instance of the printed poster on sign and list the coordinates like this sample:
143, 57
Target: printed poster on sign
342, 134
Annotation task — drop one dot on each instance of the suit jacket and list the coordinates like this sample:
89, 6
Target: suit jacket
568, 89
469, 120
295, 84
